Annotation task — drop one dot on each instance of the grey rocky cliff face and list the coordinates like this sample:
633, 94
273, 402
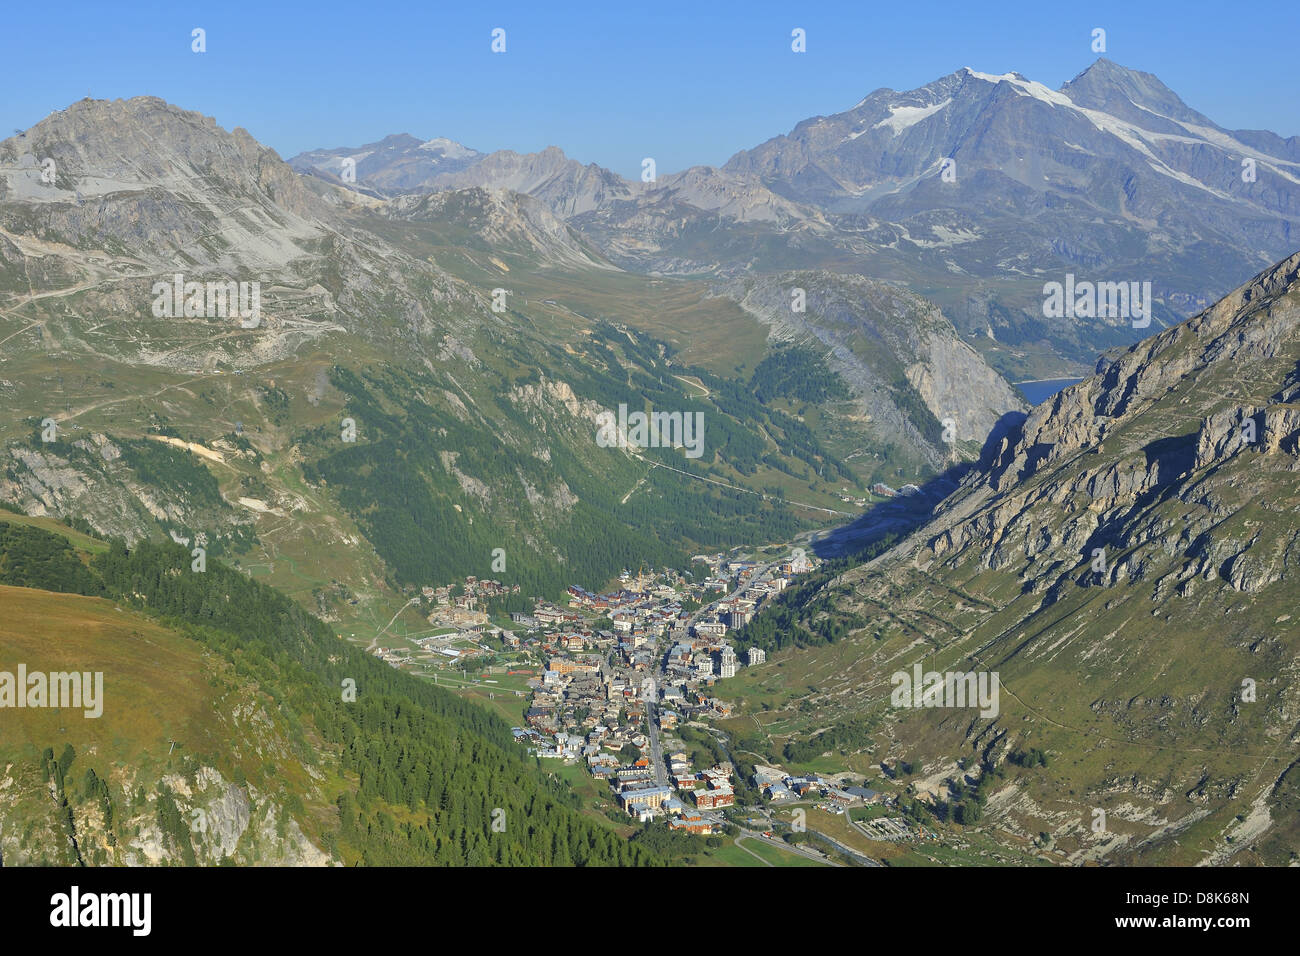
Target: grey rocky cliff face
1204, 414
1243, 328
1126, 560
145, 190
881, 339
84, 477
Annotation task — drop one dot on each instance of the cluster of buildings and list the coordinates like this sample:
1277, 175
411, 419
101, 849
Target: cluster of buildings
468, 608
725, 574
643, 606
699, 658
576, 695
780, 787
474, 594
687, 702
748, 585
394, 657
599, 653
623, 670
640, 614
690, 802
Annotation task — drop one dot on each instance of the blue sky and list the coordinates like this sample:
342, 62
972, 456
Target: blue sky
686, 83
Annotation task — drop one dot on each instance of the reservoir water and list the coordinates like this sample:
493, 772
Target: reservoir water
1042, 390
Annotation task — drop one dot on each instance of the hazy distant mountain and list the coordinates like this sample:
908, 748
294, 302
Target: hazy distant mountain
395, 164
404, 164
1112, 177
974, 190
499, 221
1115, 141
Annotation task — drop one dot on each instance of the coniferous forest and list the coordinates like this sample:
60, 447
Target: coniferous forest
429, 774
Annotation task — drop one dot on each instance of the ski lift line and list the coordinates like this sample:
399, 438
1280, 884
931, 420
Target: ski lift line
750, 491
410, 603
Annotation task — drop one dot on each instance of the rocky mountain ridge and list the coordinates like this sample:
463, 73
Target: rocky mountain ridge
1124, 558
973, 190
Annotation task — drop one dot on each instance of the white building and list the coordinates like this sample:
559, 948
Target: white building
727, 663
713, 628
755, 655
738, 617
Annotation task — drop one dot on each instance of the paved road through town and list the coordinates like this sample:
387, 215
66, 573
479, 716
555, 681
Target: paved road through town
787, 847
681, 633
656, 749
